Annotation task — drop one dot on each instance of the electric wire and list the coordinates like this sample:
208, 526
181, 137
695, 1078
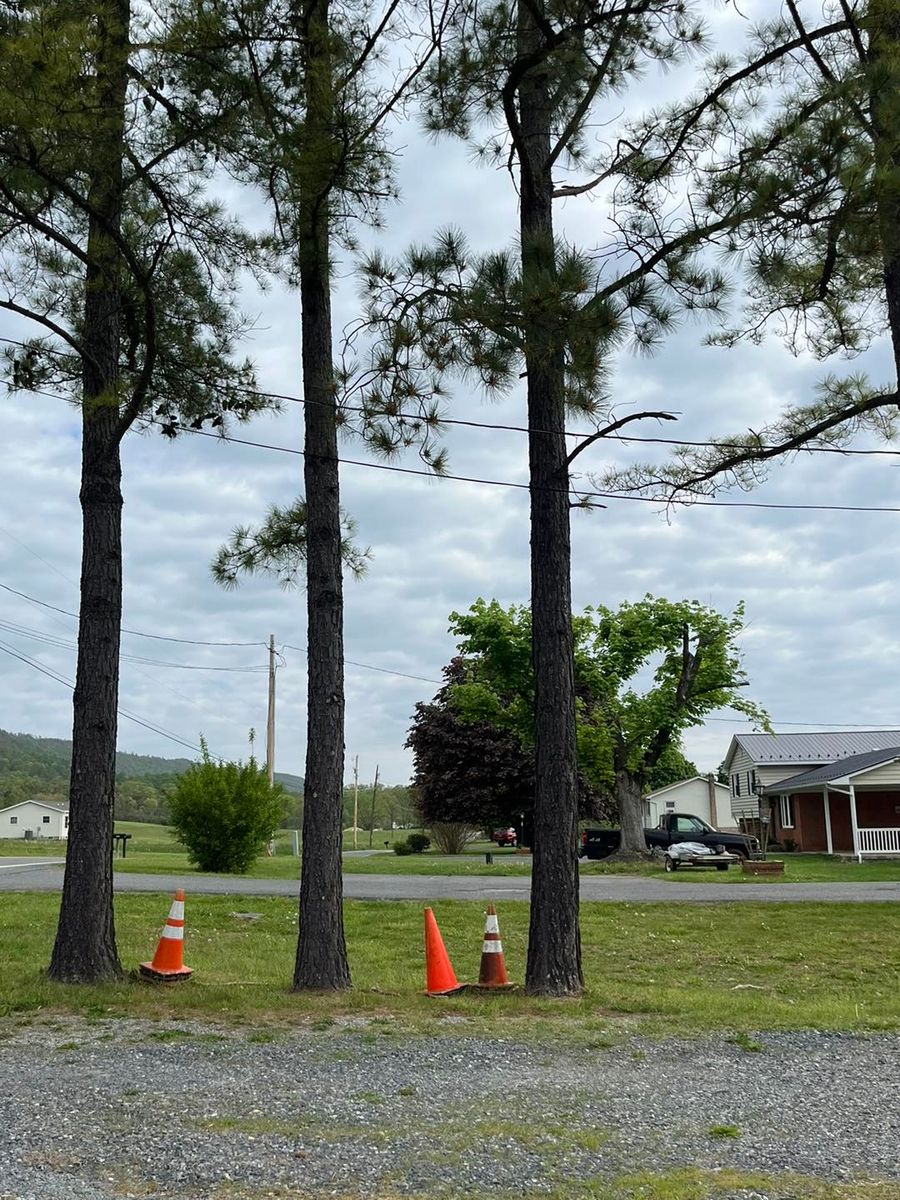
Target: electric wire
159, 637
583, 498
124, 712
510, 428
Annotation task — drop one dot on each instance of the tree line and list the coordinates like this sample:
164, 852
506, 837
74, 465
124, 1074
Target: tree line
769, 197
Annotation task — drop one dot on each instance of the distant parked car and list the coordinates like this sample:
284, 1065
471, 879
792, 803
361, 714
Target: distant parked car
505, 837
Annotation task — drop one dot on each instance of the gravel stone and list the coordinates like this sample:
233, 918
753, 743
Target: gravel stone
95, 1109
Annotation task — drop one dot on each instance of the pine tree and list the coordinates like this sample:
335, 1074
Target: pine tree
527, 84
110, 248
818, 167
305, 74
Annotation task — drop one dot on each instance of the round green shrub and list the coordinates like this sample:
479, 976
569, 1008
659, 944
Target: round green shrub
225, 813
403, 848
418, 843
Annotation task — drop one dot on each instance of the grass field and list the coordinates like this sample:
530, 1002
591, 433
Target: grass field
654, 968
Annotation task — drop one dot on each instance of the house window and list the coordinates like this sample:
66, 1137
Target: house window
66, 821
736, 784
13, 820
46, 820
787, 812
670, 804
751, 782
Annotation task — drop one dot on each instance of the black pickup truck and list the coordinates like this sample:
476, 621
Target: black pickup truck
672, 828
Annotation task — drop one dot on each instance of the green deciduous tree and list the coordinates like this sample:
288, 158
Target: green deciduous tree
110, 250
624, 730
225, 813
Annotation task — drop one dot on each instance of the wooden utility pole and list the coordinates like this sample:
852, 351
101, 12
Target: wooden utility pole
355, 801
372, 814
270, 724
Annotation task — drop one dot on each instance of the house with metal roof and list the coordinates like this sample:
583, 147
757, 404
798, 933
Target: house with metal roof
832, 792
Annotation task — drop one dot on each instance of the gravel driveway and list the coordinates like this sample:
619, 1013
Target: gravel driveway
126, 1108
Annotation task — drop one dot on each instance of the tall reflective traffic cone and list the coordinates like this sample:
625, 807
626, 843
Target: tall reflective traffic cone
440, 978
168, 961
493, 966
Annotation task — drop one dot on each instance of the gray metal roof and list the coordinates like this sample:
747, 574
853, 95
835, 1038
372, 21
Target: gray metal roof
777, 748
836, 770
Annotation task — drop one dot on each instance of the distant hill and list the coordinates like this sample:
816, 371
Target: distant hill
47, 760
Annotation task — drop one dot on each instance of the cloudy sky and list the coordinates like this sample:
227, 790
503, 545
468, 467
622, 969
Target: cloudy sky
821, 645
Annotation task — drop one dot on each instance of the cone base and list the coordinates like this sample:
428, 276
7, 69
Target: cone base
460, 987
148, 971
493, 987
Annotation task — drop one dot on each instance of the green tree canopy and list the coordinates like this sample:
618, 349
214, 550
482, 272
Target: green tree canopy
644, 674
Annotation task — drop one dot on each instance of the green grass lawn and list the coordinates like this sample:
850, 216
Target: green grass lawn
659, 969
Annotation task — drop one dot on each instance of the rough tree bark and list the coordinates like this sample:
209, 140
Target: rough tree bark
85, 948
554, 939
321, 948
629, 797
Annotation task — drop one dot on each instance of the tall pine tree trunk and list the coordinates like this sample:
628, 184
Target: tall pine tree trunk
85, 948
554, 940
321, 948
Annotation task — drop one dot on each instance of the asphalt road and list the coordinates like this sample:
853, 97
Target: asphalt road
45, 875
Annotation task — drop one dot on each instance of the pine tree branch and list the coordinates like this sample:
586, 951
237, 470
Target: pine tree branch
59, 330
824, 69
587, 99
613, 427
693, 480
370, 43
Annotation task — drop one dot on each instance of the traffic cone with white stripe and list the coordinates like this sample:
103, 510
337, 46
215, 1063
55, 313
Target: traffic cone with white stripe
493, 966
168, 961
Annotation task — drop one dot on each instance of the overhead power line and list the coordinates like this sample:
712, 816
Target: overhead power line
369, 667
511, 428
49, 639
66, 644
158, 637
124, 712
584, 498
578, 494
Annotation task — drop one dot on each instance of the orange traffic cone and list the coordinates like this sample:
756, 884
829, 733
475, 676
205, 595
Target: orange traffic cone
493, 967
440, 978
168, 961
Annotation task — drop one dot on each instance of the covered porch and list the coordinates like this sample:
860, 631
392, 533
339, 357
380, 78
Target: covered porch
848, 807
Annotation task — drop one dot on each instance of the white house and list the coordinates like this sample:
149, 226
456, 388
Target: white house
701, 796
34, 818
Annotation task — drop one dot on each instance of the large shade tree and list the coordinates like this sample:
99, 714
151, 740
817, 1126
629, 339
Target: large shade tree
123, 273
624, 730
476, 772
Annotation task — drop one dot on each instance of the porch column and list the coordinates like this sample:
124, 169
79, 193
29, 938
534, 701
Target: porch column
827, 804
854, 823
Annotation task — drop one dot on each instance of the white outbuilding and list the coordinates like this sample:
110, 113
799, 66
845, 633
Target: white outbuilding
701, 796
34, 819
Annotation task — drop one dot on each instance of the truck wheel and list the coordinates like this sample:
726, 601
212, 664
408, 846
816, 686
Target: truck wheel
671, 863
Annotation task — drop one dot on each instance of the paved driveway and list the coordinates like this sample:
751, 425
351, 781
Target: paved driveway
45, 875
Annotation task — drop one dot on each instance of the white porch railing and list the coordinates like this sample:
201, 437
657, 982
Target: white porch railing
878, 841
